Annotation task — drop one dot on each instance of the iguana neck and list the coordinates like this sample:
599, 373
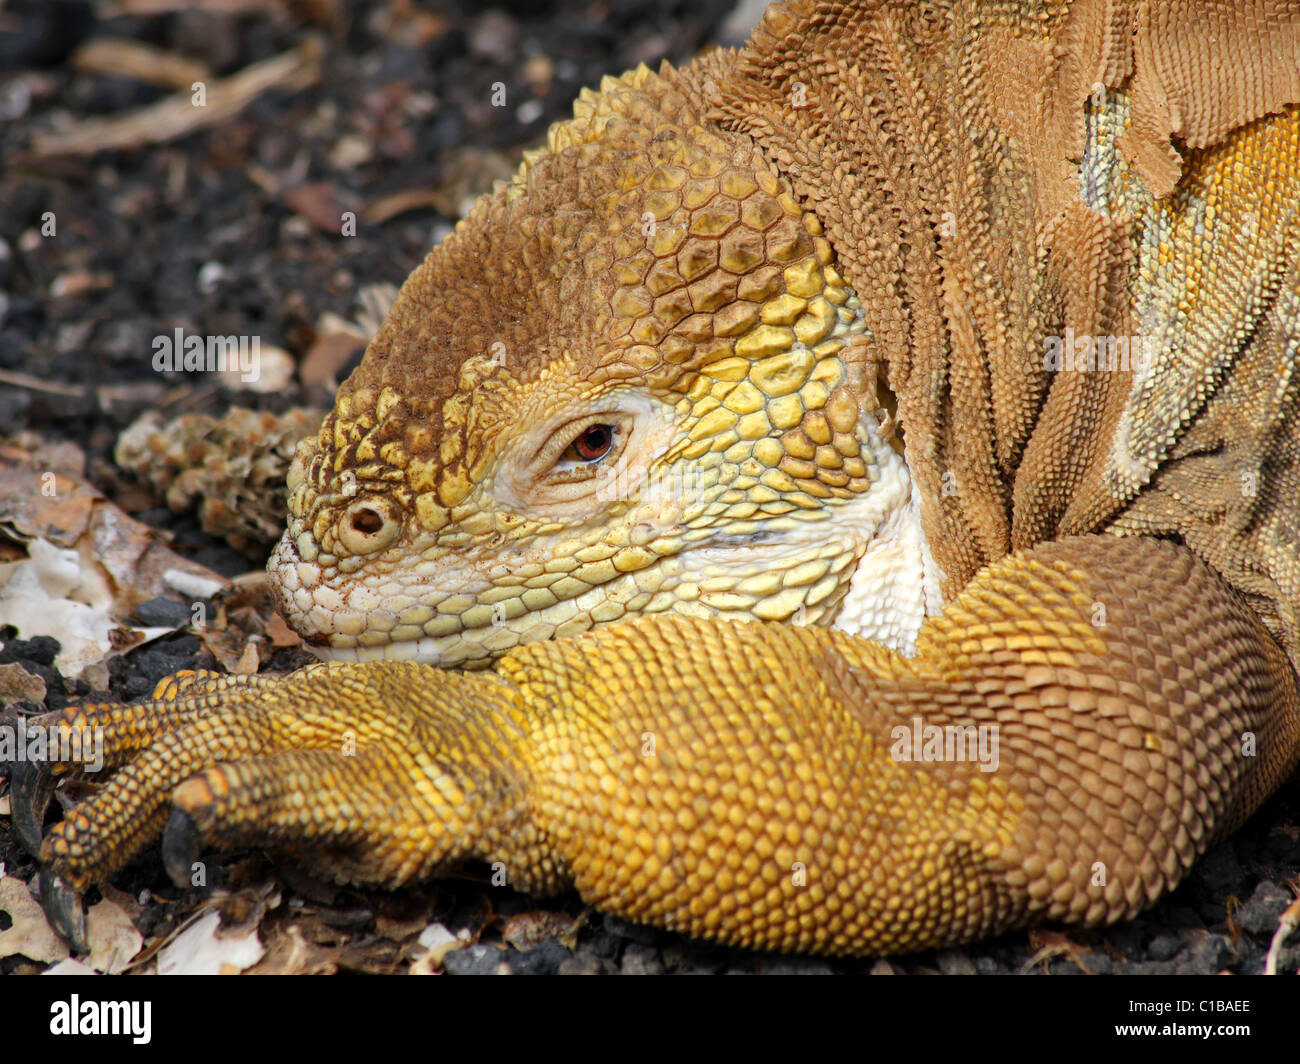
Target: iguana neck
896, 584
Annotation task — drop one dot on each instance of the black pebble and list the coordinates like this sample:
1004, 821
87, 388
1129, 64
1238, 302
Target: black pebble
1163, 947
39, 650
1260, 914
474, 960
540, 960
163, 613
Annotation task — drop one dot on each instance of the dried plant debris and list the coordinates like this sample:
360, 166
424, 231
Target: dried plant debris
134, 59
525, 930
29, 933
202, 106
19, 685
232, 468
203, 948
40, 498
54, 594
434, 943
112, 937
88, 566
288, 952
244, 631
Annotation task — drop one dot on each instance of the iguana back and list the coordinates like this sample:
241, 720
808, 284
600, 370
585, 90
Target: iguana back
1080, 228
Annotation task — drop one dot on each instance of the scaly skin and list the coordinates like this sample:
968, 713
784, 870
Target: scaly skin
748, 322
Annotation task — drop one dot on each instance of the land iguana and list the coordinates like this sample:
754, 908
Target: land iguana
951, 349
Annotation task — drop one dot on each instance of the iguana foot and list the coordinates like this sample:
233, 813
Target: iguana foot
338, 766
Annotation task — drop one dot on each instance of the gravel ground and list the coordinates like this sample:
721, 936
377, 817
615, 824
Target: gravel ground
220, 232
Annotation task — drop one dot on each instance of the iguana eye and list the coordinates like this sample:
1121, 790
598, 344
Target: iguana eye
586, 457
592, 444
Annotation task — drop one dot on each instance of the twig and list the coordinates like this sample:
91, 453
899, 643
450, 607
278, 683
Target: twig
36, 384
177, 115
1286, 924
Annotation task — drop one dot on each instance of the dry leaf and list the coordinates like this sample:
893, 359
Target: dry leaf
1287, 924
112, 936
326, 356
399, 930
392, 204
201, 950
113, 8
249, 660
70, 967
434, 943
289, 953
1047, 944
37, 384
193, 585
349, 152
177, 115
280, 634
42, 496
128, 903
526, 930
19, 685
30, 934
318, 202
56, 593
272, 370
78, 283
376, 301
53, 594
229, 648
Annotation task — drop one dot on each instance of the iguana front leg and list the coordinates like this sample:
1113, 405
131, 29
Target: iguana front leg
757, 784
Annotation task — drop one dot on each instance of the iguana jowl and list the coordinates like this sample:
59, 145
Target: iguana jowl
965, 333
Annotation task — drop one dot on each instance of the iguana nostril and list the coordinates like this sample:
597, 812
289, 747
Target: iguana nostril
365, 528
367, 522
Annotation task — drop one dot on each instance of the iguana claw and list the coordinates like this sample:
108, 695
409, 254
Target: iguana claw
181, 844
64, 910
31, 787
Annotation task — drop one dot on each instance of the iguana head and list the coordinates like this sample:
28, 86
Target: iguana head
630, 382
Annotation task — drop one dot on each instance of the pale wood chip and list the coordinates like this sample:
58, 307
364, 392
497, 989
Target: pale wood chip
178, 116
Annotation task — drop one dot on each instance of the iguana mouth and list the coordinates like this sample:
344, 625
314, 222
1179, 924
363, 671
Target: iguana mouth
806, 572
